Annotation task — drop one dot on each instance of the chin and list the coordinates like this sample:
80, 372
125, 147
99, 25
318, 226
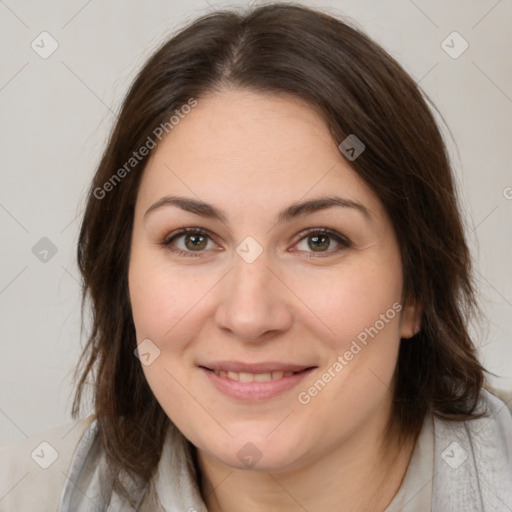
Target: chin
257, 453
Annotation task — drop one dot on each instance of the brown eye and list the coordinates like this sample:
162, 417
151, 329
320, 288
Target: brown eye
195, 242
318, 242
323, 242
189, 242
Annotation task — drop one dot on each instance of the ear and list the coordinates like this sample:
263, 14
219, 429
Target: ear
410, 320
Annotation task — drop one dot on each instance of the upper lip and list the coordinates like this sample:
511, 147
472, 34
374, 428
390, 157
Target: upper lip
263, 367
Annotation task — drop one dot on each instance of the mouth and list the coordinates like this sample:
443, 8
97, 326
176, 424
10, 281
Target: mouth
254, 382
253, 377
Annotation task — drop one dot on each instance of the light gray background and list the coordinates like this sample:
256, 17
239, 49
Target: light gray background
57, 112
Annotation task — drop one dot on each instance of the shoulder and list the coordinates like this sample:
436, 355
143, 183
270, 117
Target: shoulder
33, 470
494, 429
491, 435
504, 397
473, 459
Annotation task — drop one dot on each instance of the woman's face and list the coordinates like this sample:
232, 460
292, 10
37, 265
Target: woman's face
289, 278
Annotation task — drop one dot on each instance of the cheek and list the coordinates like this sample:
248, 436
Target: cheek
162, 306
361, 309
161, 298
347, 302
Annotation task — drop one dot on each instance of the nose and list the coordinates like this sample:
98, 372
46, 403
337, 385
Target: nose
255, 304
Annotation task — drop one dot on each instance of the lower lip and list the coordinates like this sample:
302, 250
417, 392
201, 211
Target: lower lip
255, 391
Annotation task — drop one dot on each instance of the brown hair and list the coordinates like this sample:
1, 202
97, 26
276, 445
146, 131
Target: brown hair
359, 89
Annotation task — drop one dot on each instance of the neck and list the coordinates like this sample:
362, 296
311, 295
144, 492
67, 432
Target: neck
357, 475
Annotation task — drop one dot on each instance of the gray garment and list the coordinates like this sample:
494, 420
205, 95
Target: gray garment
455, 466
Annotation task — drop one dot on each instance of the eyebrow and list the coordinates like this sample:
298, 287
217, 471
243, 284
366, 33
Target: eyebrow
292, 212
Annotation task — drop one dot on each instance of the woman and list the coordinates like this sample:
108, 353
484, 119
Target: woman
280, 287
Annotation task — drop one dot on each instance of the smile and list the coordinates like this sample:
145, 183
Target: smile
253, 377
256, 382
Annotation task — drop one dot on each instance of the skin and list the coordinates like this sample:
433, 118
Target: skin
252, 155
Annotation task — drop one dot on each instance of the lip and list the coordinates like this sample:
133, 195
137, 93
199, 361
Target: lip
255, 391
262, 367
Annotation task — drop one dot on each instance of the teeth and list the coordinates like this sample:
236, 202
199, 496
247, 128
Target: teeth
251, 377
244, 377
261, 377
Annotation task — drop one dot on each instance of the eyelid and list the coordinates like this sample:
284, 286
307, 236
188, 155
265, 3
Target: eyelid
338, 237
183, 231
168, 239
326, 231
342, 241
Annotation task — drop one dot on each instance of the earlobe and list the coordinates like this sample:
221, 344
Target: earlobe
411, 320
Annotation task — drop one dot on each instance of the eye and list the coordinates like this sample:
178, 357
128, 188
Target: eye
322, 240
195, 241
188, 241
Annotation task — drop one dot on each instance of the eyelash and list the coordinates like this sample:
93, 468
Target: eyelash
343, 242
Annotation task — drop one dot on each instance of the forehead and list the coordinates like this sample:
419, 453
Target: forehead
239, 147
